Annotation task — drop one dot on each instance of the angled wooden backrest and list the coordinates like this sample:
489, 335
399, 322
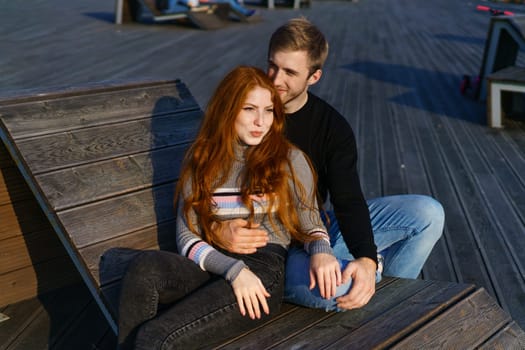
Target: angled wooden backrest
102, 162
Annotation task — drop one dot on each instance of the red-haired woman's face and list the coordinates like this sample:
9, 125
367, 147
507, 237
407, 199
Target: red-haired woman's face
256, 116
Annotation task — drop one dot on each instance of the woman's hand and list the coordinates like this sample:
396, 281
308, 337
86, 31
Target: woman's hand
250, 293
325, 269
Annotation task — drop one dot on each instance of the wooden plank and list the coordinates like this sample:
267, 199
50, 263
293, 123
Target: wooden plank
489, 230
117, 216
286, 324
107, 266
426, 125
22, 217
441, 264
85, 331
131, 140
466, 325
5, 158
458, 191
345, 327
54, 112
39, 278
68, 149
12, 186
23, 251
516, 140
421, 180
496, 188
510, 337
299, 321
507, 189
28, 242
512, 176
20, 316
392, 173
388, 300
370, 174
79, 185
393, 324
66, 306
404, 170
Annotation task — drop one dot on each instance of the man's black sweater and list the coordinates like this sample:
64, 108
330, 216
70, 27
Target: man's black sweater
327, 138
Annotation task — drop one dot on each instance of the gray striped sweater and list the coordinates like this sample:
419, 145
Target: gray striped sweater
227, 205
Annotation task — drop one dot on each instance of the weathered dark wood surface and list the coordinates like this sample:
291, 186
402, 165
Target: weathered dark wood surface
105, 178
394, 71
33, 261
404, 314
103, 173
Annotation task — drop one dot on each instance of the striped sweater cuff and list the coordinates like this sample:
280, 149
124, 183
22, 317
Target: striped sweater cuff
321, 245
234, 271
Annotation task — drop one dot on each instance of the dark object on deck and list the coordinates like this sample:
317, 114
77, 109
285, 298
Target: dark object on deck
494, 11
469, 85
212, 16
296, 4
505, 37
502, 88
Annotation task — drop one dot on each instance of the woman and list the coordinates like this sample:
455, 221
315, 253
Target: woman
240, 166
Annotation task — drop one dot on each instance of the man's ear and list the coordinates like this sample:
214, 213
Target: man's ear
314, 77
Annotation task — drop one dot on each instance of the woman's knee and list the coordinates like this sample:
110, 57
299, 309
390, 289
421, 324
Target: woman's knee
145, 264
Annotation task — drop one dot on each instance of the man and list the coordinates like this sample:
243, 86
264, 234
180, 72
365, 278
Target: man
405, 228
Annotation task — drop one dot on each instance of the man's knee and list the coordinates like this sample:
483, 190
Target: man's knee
434, 214
430, 207
427, 211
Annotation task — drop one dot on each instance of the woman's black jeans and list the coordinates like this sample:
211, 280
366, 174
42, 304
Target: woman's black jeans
168, 302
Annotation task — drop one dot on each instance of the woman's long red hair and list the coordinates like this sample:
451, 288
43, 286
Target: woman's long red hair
267, 170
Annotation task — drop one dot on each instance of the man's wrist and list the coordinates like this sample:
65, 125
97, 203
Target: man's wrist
370, 261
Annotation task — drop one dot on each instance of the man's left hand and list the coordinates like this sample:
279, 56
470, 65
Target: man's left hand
363, 274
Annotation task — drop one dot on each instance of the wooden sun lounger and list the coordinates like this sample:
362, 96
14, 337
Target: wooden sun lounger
102, 161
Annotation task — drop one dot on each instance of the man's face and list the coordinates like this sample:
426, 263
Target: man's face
290, 72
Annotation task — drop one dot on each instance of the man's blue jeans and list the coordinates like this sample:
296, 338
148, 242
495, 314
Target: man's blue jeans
406, 228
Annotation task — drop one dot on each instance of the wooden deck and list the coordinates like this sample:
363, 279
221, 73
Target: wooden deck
394, 70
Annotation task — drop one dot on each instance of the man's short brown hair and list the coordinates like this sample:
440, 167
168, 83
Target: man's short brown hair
299, 34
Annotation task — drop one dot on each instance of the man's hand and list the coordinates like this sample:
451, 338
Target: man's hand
325, 269
251, 294
236, 236
363, 274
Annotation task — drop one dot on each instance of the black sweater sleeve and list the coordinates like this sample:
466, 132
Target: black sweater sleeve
327, 138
